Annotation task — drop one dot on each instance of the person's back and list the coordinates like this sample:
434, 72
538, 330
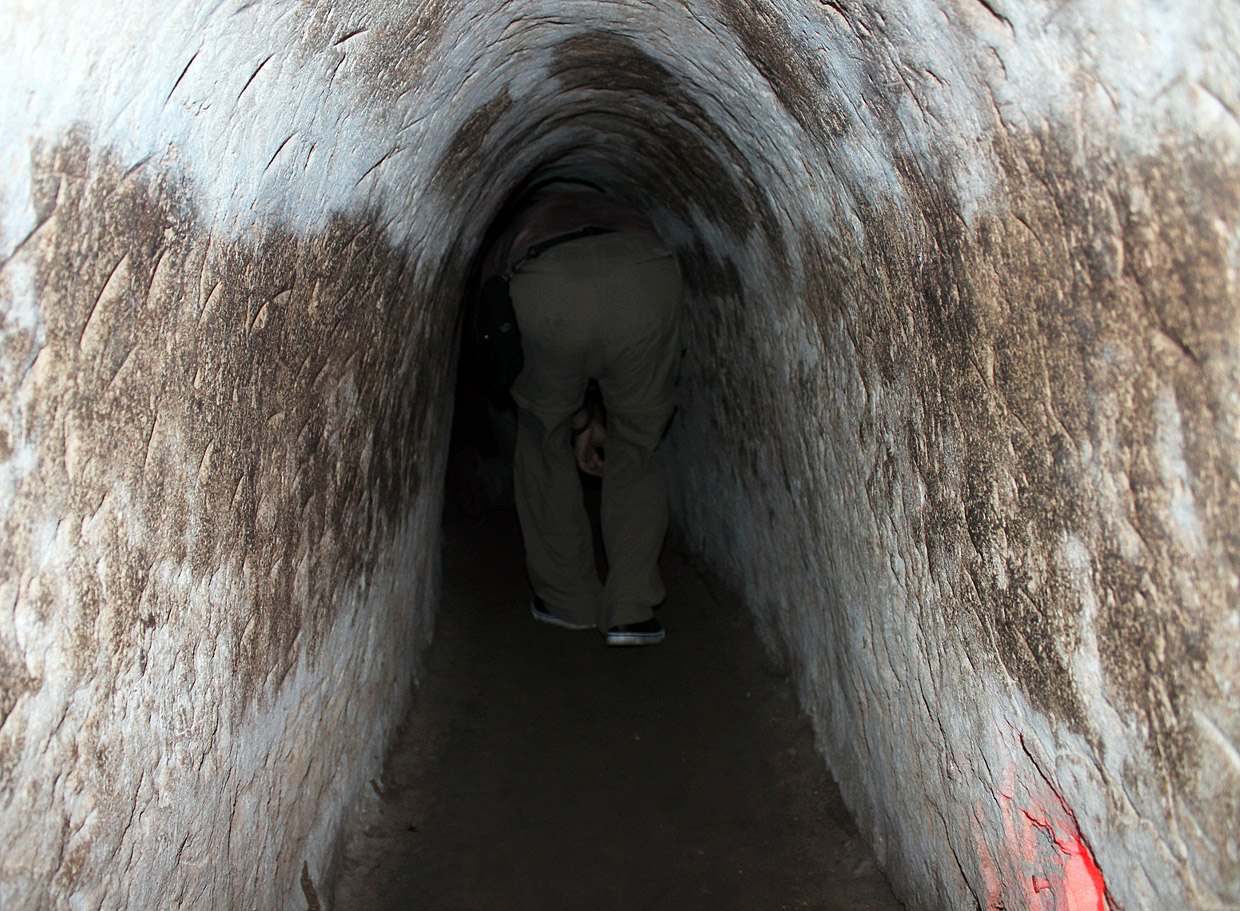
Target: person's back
602, 303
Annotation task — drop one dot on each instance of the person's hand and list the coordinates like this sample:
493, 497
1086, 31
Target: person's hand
588, 448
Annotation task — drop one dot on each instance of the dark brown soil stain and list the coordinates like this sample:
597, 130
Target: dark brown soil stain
258, 406
542, 770
1050, 353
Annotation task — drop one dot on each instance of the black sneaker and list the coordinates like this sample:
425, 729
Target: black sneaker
539, 609
648, 632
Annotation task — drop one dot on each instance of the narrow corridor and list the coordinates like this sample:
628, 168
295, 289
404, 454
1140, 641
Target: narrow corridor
959, 423
542, 770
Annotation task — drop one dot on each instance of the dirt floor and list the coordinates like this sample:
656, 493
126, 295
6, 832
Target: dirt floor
541, 770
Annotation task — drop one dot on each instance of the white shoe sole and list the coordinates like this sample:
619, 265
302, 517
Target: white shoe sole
635, 638
552, 620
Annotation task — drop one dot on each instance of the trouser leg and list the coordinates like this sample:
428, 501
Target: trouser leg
634, 519
637, 379
559, 552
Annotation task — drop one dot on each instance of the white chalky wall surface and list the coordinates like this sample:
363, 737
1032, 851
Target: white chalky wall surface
960, 411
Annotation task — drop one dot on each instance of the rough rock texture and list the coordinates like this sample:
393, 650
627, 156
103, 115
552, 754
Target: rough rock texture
962, 406
973, 456
219, 487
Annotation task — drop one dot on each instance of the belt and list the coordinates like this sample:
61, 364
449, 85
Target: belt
544, 245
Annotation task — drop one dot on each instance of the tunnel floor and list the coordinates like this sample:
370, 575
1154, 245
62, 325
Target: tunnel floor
541, 770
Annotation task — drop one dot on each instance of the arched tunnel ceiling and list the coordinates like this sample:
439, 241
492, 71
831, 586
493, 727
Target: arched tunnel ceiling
960, 407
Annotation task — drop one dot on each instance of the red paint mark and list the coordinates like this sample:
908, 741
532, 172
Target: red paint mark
1083, 886
1028, 870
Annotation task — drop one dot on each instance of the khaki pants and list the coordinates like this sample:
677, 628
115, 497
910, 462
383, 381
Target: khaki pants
603, 307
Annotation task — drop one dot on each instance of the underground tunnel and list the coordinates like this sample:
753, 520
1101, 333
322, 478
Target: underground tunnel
960, 411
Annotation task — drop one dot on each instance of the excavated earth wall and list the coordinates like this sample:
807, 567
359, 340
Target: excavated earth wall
961, 404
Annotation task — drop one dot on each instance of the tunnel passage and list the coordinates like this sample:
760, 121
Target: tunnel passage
960, 411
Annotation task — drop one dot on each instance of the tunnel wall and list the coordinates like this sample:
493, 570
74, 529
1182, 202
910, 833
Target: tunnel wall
959, 411
966, 437
222, 403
